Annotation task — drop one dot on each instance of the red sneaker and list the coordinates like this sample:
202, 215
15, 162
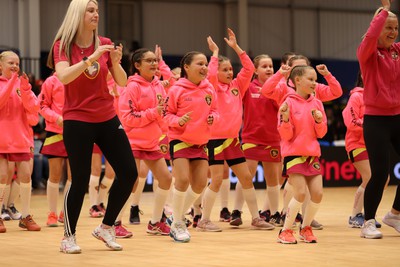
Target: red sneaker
2, 227
307, 235
61, 217
52, 219
286, 237
159, 228
121, 231
29, 224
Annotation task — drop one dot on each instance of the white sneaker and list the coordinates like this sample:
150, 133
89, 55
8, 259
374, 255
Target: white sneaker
107, 236
369, 230
4, 215
69, 246
392, 220
179, 232
14, 213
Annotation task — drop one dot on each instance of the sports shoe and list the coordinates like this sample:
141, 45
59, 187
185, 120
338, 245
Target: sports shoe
101, 208
196, 220
306, 235
179, 232
2, 226
52, 219
236, 218
107, 235
265, 215
134, 217
4, 215
69, 246
299, 218
207, 226
356, 221
61, 217
121, 231
316, 225
29, 224
14, 213
392, 221
377, 224
159, 228
260, 224
286, 237
170, 221
95, 212
190, 212
276, 219
369, 230
225, 215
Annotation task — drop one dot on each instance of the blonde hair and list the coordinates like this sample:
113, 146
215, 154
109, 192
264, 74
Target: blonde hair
72, 23
390, 15
7, 53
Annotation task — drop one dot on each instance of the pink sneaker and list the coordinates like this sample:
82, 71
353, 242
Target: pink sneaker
95, 212
101, 208
121, 231
159, 228
61, 217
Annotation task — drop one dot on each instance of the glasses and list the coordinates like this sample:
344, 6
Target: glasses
150, 60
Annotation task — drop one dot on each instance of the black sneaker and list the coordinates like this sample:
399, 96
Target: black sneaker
134, 217
225, 215
196, 219
299, 218
236, 218
265, 215
276, 219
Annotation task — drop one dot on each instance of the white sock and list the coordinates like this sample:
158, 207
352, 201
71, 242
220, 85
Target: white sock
287, 196
224, 192
273, 198
159, 202
291, 212
177, 205
305, 203
6, 195
139, 190
2, 187
190, 197
93, 185
25, 198
14, 193
208, 203
239, 199
52, 191
309, 213
122, 211
251, 201
104, 187
358, 201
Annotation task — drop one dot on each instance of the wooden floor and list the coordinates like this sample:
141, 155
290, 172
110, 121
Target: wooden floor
337, 244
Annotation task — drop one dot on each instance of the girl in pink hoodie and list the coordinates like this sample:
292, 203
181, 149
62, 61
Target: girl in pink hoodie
18, 106
141, 107
302, 121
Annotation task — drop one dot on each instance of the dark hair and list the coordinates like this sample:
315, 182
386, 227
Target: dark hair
296, 72
137, 56
186, 60
359, 82
222, 59
285, 57
297, 57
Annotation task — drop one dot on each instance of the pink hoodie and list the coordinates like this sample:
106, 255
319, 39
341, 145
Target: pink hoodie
183, 97
353, 117
229, 97
17, 101
380, 70
52, 102
276, 88
299, 135
260, 117
138, 112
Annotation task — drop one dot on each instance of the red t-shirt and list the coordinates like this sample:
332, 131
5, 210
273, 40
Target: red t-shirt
87, 98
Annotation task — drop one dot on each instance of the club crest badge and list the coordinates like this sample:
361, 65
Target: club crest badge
92, 71
208, 99
235, 91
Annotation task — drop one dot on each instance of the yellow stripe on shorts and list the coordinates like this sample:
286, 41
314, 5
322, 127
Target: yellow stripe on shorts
162, 137
358, 151
248, 146
225, 144
299, 160
53, 139
181, 146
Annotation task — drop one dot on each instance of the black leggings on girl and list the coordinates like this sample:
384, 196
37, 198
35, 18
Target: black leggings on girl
381, 133
79, 138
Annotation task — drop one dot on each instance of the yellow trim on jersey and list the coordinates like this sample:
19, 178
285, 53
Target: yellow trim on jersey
181, 146
248, 146
299, 160
225, 144
53, 139
358, 151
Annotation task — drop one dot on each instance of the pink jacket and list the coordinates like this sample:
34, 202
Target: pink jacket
138, 112
52, 102
229, 98
276, 88
260, 117
184, 97
380, 69
17, 103
353, 117
299, 135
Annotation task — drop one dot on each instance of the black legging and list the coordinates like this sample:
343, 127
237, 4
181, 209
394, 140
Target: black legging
79, 138
380, 134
